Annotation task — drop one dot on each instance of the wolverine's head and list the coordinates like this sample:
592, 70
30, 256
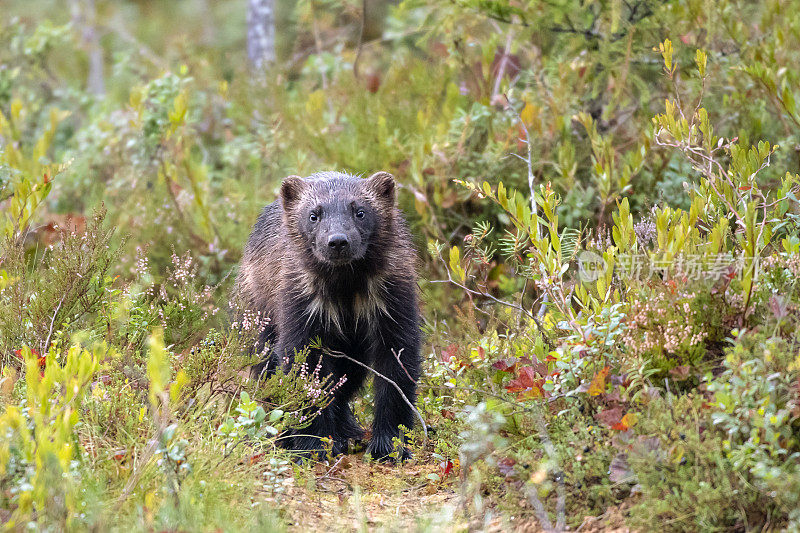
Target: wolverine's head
336, 215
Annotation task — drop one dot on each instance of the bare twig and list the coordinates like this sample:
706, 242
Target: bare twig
501, 67
518, 307
529, 162
46, 345
399, 362
334, 353
360, 37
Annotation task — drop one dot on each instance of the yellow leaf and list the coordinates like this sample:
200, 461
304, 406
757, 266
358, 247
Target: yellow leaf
7, 382
629, 420
598, 385
529, 115
455, 257
158, 367
315, 103
181, 380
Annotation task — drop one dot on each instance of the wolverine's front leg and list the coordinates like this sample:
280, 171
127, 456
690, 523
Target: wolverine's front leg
397, 359
295, 335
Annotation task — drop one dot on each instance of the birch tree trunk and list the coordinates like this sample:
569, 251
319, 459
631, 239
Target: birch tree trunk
84, 15
261, 33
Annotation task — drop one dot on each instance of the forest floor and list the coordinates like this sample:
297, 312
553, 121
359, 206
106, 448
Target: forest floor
350, 493
353, 494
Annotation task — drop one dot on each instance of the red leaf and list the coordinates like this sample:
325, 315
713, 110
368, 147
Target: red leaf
528, 384
628, 421
505, 365
526, 378
18, 353
449, 353
446, 467
506, 467
610, 417
373, 82
256, 458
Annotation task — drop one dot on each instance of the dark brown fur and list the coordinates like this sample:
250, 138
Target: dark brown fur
365, 307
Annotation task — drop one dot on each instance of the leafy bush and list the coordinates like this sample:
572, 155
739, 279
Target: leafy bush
39, 459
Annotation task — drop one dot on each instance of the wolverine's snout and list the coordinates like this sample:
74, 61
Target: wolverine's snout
339, 247
338, 242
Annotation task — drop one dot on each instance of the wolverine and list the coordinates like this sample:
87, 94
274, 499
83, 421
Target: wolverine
332, 261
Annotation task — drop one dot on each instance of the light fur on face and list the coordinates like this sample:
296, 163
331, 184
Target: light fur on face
275, 260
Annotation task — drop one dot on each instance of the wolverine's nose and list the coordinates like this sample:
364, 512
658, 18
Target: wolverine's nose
338, 242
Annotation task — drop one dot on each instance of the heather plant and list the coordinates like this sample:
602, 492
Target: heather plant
37, 309
670, 325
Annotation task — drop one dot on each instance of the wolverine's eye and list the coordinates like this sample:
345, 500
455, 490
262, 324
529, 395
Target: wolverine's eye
360, 213
313, 217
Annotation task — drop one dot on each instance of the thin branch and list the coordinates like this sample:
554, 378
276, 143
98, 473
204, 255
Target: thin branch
496, 300
529, 161
334, 353
501, 68
360, 37
46, 345
399, 362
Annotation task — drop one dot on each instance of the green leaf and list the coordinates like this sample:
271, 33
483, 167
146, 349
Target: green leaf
700, 59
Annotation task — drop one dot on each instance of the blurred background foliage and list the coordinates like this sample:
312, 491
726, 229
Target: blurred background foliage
185, 140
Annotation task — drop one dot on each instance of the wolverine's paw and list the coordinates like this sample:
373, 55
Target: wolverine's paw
386, 453
309, 448
359, 445
340, 447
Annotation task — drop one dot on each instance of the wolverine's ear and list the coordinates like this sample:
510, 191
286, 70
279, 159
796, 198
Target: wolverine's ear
291, 189
383, 185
